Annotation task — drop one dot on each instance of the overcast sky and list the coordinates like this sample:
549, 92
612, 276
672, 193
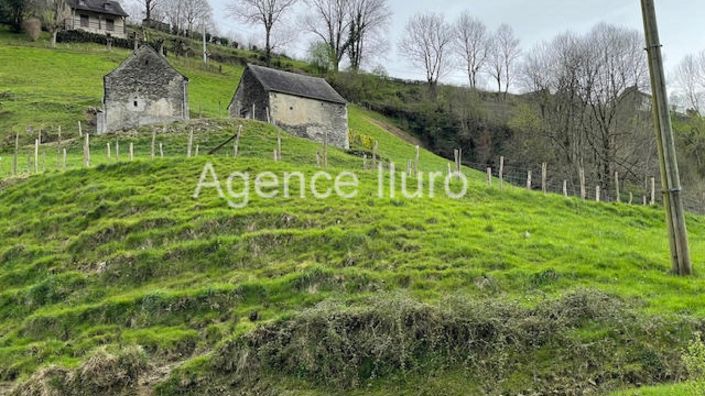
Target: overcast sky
681, 22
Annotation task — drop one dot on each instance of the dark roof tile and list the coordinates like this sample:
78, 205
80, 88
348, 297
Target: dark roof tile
295, 84
111, 7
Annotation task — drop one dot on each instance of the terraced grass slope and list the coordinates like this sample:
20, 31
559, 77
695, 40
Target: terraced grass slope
116, 280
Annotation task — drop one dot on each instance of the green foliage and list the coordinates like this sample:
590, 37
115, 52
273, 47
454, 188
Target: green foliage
694, 360
319, 56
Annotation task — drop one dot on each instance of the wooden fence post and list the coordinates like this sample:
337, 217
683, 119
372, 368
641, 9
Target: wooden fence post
653, 191
460, 160
132, 152
325, 148
64, 162
108, 146
489, 176
236, 148
87, 151
254, 109
528, 180
391, 180
153, 147
318, 159
644, 199
631, 198
190, 142
80, 129
161, 150
117, 150
58, 146
581, 176
565, 188
455, 159
279, 145
418, 159
196, 152
14, 158
616, 186
501, 172
544, 169
36, 156
597, 193
275, 155
374, 155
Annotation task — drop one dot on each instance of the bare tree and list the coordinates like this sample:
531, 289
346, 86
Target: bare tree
591, 111
503, 55
54, 14
174, 11
615, 69
265, 12
427, 38
690, 80
195, 11
330, 21
471, 44
149, 7
495, 65
367, 18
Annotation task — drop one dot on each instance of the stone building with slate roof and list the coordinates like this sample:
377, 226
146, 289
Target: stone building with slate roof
97, 16
143, 90
301, 105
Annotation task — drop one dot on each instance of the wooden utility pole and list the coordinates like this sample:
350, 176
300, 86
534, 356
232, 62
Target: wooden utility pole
670, 179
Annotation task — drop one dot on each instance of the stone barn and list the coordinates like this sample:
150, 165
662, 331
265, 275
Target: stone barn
301, 105
143, 90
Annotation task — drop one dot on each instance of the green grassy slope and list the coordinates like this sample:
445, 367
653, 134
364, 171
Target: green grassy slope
503, 291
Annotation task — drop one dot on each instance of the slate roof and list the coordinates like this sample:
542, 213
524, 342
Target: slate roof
111, 7
295, 84
142, 50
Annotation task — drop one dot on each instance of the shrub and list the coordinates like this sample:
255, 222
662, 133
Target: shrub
80, 36
694, 361
103, 373
33, 28
346, 347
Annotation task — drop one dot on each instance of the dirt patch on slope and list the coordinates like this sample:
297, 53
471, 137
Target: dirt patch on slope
398, 132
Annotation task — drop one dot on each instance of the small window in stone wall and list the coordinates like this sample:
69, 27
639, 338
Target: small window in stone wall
84, 21
110, 25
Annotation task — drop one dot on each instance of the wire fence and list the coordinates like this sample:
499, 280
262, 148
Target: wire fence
538, 178
41, 157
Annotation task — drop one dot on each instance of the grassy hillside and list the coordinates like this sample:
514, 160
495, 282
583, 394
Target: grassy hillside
116, 280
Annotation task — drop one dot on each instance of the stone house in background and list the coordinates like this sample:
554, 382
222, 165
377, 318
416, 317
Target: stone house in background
143, 90
301, 105
97, 16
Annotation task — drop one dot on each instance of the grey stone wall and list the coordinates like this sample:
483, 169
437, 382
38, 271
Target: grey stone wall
249, 92
311, 118
143, 90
